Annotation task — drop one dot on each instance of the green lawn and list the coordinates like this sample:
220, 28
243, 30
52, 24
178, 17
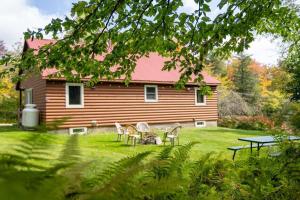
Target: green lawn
103, 147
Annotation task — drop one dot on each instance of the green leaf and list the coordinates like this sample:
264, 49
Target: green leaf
222, 3
205, 19
206, 8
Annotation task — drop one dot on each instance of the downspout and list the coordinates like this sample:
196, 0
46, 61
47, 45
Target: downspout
20, 107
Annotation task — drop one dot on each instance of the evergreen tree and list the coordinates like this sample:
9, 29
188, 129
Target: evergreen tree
2, 49
245, 81
217, 65
292, 66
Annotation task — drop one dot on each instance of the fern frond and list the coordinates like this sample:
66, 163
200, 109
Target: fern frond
180, 157
119, 176
165, 153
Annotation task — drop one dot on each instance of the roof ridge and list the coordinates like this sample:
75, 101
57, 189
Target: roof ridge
148, 68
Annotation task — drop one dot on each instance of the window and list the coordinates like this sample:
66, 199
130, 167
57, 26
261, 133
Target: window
151, 93
78, 131
28, 96
200, 123
74, 95
200, 99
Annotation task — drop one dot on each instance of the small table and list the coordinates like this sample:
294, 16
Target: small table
142, 133
148, 138
261, 140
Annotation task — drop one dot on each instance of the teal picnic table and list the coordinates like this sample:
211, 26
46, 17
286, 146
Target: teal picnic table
262, 141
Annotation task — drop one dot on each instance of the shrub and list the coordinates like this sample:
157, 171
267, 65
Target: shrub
8, 109
247, 122
229, 122
230, 103
288, 118
294, 116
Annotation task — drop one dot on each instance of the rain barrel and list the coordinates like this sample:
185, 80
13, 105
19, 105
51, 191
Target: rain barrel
30, 116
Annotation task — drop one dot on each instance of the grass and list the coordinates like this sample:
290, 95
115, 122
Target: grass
104, 148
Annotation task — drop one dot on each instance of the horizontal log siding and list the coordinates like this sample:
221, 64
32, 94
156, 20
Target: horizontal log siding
38, 86
110, 103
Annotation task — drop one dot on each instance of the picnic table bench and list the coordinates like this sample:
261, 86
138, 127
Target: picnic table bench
237, 148
259, 142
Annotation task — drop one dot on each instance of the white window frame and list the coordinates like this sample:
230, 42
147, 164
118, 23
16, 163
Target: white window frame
145, 94
204, 99
200, 126
71, 131
28, 96
82, 95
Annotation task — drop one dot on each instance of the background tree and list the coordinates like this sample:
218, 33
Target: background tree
2, 49
126, 30
4, 82
292, 65
8, 95
250, 88
217, 65
245, 81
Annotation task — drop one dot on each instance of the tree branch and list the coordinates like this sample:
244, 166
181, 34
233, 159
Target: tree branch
106, 25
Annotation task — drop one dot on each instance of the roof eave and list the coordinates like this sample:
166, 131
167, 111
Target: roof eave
133, 81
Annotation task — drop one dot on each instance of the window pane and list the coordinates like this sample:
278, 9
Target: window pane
74, 95
151, 96
200, 123
200, 97
151, 93
151, 90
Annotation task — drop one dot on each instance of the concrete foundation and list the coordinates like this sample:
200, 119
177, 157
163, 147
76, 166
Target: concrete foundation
211, 123
162, 127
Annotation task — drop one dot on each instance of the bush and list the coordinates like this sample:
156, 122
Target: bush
8, 109
294, 116
247, 122
230, 103
288, 118
8, 116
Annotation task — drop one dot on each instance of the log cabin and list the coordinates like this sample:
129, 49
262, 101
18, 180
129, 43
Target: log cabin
150, 97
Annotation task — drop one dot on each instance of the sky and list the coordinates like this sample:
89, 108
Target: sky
16, 16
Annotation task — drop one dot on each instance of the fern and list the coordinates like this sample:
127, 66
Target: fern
180, 157
117, 179
168, 175
161, 163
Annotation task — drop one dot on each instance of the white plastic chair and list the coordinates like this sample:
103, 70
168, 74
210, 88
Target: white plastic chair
132, 134
172, 135
143, 127
120, 131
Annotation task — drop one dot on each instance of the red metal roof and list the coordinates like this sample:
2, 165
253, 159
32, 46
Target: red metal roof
36, 44
148, 69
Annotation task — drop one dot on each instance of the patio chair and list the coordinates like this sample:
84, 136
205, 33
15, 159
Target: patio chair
143, 127
120, 131
172, 135
133, 134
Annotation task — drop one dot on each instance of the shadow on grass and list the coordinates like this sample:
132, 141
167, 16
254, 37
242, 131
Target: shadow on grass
24, 174
123, 145
9, 128
108, 141
15, 128
236, 131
